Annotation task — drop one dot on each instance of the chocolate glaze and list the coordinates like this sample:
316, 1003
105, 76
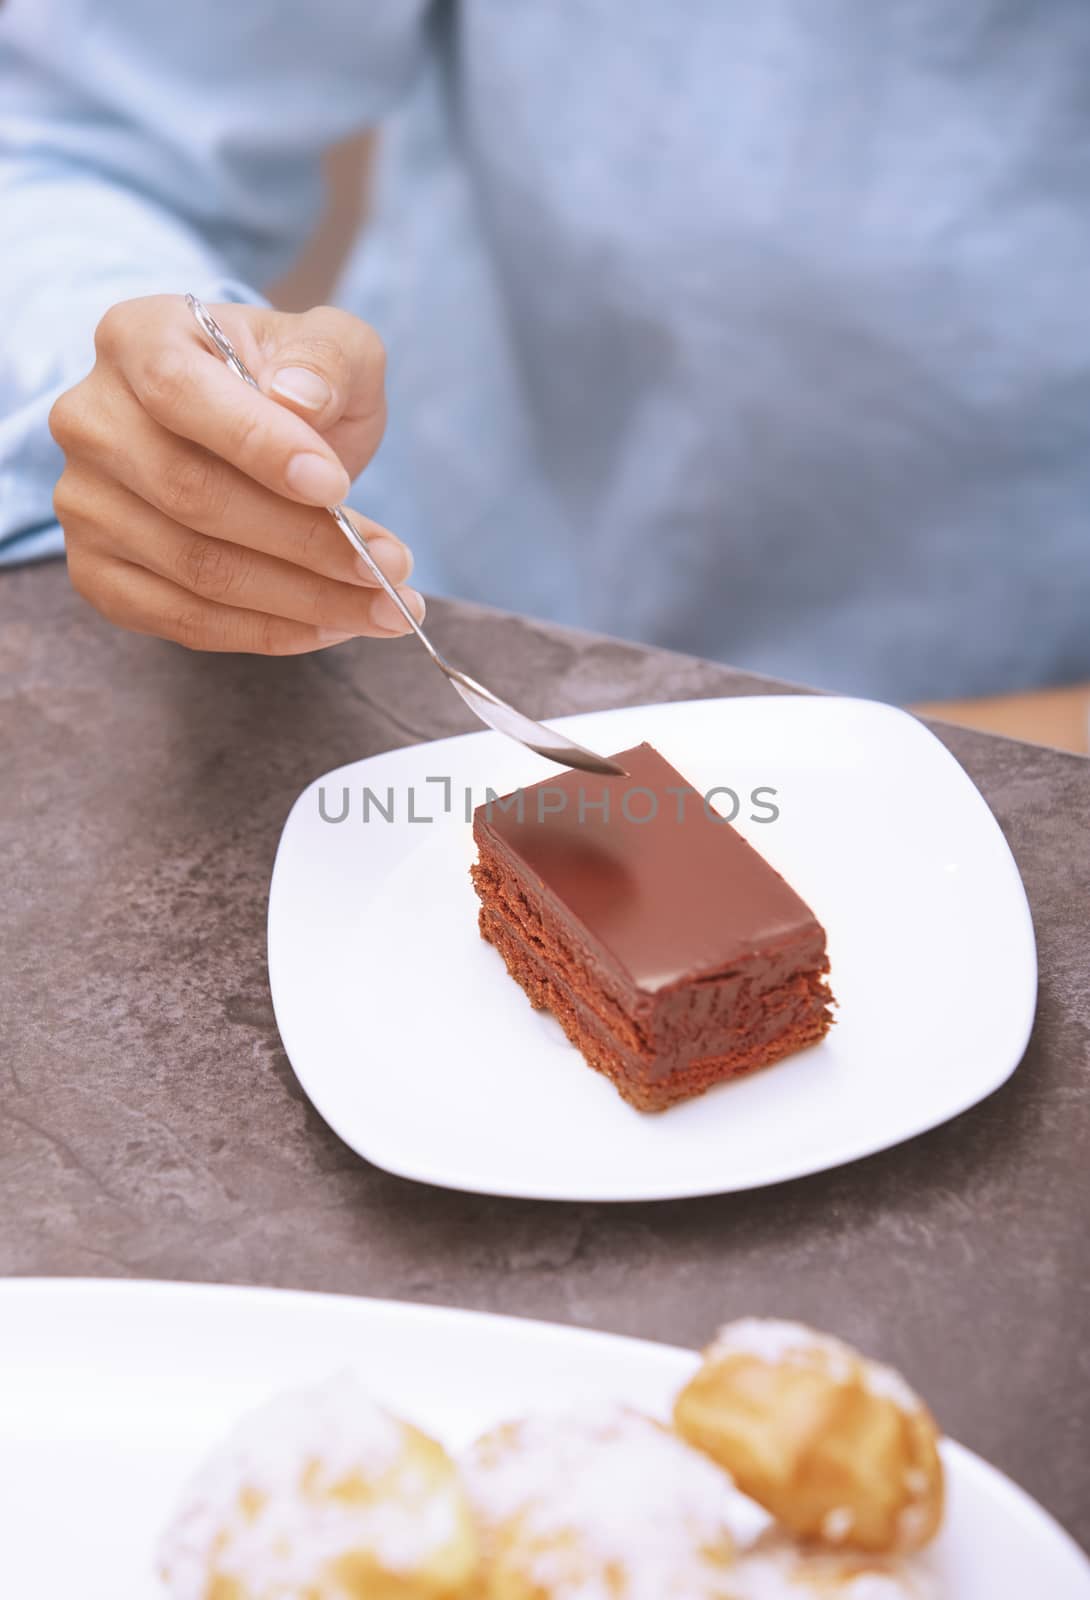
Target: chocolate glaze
664, 902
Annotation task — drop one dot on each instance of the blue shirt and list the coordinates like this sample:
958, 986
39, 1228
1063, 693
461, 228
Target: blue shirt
761, 331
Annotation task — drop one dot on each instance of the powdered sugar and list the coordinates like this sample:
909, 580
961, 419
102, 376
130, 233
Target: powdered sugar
272, 1501
615, 1493
602, 1506
778, 1571
793, 1344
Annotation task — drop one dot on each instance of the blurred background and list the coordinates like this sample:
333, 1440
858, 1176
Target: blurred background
1058, 717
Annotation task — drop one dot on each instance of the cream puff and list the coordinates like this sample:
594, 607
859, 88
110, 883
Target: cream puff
323, 1494
837, 1448
612, 1507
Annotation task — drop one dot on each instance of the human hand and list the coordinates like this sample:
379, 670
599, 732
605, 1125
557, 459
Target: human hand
193, 506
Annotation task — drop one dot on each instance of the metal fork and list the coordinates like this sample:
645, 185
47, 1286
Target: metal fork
488, 707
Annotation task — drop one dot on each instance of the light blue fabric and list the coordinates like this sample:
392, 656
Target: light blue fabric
756, 330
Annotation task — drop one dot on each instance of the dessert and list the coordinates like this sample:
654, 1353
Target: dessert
779, 1569
613, 1507
673, 956
836, 1447
322, 1494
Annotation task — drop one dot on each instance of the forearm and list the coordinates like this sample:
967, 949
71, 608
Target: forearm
122, 173
76, 244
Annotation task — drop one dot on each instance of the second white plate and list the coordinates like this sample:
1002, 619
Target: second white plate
417, 1048
111, 1394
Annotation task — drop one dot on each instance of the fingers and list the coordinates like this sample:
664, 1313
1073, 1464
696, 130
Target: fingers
324, 363
143, 602
193, 503
107, 432
195, 396
158, 352
107, 526
329, 368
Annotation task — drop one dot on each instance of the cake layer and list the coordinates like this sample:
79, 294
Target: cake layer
702, 1018
792, 1018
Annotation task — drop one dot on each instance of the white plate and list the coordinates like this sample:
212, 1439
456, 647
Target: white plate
110, 1393
414, 1044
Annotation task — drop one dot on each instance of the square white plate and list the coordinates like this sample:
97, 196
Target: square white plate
111, 1393
417, 1048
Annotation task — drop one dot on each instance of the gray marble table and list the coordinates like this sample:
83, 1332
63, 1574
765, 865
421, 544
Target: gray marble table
150, 1125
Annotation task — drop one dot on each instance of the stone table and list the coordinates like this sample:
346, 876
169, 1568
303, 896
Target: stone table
150, 1125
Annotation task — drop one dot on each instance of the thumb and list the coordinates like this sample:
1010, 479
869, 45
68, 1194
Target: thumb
330, 368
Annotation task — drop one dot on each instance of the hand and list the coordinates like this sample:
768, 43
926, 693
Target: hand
193, 505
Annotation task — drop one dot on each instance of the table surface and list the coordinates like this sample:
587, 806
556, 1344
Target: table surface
151, 1126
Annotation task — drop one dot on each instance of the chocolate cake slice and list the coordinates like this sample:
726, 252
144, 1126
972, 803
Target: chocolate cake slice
670, 952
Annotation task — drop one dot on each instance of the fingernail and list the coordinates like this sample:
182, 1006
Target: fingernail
392, 556
384, 614
315, 479
302, 387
